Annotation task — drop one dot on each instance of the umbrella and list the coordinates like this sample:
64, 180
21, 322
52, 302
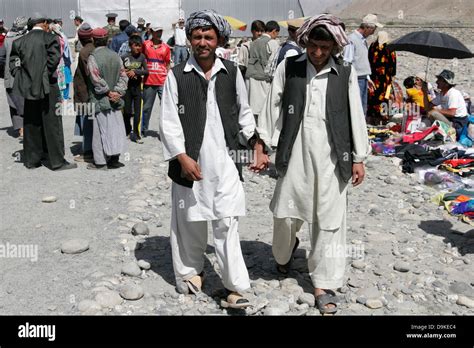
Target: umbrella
236, 24
431, 44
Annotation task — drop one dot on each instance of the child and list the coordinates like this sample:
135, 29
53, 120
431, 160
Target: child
136, 68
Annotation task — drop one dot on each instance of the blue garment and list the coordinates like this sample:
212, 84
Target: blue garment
180, 54
364, 93
117, 41
288, 45
149, 96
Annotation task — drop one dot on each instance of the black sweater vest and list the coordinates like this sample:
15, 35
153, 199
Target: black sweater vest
192, 101
337, 114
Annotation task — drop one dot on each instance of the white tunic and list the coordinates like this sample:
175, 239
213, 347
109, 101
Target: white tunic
311, 189
220, 193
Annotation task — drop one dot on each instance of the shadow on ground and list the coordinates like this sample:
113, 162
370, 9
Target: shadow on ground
464, 242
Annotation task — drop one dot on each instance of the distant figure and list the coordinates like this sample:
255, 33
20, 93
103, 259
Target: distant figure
383, 63
119, 39
180, 51
257, 29
357, 53
111, 28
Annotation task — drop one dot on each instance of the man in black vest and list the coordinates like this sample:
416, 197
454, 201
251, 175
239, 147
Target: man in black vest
33, 62
205, 120
314, 115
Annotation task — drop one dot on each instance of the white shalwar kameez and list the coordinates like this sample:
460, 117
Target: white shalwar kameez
219, 197
311, 190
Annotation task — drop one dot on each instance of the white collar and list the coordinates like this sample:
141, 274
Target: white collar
193, 64
331, 65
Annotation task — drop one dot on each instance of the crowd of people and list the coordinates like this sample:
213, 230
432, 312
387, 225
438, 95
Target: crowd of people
273, 96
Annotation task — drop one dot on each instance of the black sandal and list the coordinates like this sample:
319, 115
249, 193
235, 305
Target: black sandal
323, 300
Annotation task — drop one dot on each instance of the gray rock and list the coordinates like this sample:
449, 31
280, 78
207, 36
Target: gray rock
122, 217
438, 284
461, 288
465, 301
49, 199
362, 300
144, 264
131, 269
401, 266
355, 283
407, 291
74, 246
140, 229
359, 264
131, 292
374, 303
108, 299
159, 224
416, 205
370, 292
306, 299
89, 307
277, 308
145, 217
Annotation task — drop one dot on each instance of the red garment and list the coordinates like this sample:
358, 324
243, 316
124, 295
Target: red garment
157, 61
458, 162
414, 137
2, 39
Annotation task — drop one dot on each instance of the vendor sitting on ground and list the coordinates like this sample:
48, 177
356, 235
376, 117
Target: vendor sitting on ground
449, 106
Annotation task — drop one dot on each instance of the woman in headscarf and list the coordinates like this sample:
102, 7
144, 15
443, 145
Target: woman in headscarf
383, 63
64, 67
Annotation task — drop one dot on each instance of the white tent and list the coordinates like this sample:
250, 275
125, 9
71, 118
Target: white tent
159, 12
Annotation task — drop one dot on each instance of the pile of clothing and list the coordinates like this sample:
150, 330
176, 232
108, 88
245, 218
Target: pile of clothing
458, 203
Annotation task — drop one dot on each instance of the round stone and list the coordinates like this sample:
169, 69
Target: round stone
108, 299
131, 269
374, 303
131, 292
144, 264
49, 199
140, 229
74, 246
401, 266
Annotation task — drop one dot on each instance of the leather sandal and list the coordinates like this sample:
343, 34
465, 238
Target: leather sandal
195, 283
235, 300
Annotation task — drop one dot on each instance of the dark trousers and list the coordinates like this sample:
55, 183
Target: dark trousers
149, 96
133, 108
43, 131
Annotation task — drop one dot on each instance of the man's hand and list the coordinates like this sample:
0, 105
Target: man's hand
114, 96
371, 85
131, 74
358, 174
189, 168
261, 158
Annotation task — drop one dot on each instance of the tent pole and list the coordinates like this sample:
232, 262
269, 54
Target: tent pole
129, 11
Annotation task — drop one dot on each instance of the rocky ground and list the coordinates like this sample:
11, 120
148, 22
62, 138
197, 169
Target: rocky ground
103, 243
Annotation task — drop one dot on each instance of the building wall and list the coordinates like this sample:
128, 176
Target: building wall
66, 9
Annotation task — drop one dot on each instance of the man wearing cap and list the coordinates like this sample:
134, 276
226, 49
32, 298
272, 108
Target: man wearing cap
15, 101
287, 49
141, 26
357, 53
205, 113
449, 105
314, 115
33, 63
111, 28
158, 57
180, 50
77, 44
108, 86
84, 124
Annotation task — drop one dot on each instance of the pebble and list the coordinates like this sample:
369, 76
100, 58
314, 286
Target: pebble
144, 264
131, 292
140, 229
359, 264
465, 301
306, 298
374, 303
401, 266
49, 199
108, 299
74, 246
131, 269
122, 217
88, 307
461, 288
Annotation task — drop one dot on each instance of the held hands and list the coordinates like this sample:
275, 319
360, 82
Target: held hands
262, 160
189, 168
131, 74
114, 96
358, 174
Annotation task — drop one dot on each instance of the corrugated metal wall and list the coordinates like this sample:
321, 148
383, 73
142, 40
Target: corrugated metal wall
66, 9
248, 10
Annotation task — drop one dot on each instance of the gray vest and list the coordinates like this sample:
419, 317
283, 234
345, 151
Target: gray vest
258, 59
337, 114
192, 99
361, 55
109, 64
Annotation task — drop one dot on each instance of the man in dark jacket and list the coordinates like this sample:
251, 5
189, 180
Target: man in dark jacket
33, 62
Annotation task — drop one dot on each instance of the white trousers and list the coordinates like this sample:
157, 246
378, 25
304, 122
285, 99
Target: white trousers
189, 242
326, 261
